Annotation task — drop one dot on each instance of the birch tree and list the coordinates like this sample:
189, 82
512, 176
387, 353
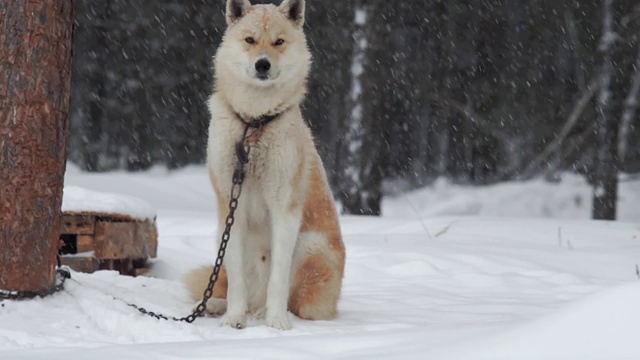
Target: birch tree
619, 85
365, 133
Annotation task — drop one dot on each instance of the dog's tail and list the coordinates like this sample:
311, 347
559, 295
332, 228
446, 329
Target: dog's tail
196, 281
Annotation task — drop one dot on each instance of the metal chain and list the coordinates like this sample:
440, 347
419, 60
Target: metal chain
242, 154
62, 274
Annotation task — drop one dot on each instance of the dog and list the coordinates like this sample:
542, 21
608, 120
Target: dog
286, 250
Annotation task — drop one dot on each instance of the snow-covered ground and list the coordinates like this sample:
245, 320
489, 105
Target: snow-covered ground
510, 271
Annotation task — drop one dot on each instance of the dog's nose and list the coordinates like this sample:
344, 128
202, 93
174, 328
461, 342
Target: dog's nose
263, 66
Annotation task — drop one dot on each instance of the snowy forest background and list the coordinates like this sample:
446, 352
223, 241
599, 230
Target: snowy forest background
473, 91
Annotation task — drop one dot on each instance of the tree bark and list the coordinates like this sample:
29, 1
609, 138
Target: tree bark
605, 187
368, 103
35, 64
629, 112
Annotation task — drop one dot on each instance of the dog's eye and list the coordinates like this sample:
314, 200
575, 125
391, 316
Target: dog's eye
279, 42
250, 40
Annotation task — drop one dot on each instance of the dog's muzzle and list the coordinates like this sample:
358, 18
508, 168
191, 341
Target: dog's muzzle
262, 69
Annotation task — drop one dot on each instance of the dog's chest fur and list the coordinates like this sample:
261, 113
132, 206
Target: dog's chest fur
274, 160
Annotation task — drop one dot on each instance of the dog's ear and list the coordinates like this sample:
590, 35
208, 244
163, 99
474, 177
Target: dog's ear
294, 10
236, 9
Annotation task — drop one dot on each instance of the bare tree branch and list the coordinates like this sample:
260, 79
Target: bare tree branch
574, 145
465, 109
572, 120
605, 181
630, 107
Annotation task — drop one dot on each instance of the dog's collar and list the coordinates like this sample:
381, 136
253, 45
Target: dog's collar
260, 121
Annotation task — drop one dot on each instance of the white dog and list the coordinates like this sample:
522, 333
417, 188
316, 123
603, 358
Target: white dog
286, 250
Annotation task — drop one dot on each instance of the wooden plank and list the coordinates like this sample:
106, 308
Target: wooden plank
146, 240
140, 267
84, 243
125, 240
105, 216
124, 267
86, 264
114, 240
106, 264
78, 224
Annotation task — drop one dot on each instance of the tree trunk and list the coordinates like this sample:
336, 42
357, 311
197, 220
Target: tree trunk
35, 64
629, 111
605, 187
365, 135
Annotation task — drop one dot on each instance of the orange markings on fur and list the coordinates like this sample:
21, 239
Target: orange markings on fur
309, 284
220, 289
320, 213
253, 136
265, 19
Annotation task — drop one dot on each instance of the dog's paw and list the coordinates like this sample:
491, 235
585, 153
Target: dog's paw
280, 322
215, 307
234, 321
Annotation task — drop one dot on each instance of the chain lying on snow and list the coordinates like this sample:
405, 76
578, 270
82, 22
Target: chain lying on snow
242, 154
62, 274
226, 235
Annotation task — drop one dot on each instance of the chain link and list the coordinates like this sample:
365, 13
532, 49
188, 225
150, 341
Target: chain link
242, 154
62, 274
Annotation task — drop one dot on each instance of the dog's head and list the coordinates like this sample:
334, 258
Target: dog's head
264, 44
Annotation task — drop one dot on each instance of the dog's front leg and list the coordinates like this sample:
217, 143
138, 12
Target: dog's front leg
236, 315
285, 234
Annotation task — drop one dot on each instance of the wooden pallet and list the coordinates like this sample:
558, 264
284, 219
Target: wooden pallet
94, 241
